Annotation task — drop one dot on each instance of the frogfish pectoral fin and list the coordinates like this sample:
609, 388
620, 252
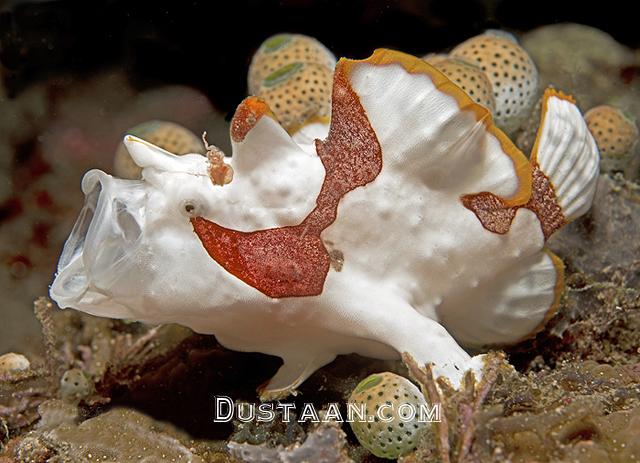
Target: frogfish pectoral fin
564, 166
567, 154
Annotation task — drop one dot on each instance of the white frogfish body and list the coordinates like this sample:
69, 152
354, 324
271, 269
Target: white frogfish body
416, 226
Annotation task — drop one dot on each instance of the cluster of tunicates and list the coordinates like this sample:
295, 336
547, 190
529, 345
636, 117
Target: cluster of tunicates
498, 73
599, 72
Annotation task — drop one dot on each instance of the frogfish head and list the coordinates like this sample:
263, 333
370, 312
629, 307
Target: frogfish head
132, 252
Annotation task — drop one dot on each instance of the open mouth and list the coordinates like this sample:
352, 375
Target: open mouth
103, 241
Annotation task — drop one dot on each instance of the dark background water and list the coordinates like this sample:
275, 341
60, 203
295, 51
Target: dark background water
208, 44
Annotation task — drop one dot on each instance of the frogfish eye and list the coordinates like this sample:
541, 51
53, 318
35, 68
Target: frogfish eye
191, 208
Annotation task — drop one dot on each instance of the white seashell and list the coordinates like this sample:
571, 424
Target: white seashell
11, 363
415, 192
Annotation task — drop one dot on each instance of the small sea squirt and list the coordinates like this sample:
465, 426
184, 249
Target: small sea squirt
616, 135
393, 415
440, 222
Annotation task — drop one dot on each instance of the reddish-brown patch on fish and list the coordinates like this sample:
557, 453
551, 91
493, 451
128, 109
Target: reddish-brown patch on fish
293, 261
496, 216
247, 115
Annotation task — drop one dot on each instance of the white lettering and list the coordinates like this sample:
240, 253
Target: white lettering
266, 413
286, 410
356, 412
333, 413
219, 416
430, 415
308, 412
245, 418
383, 418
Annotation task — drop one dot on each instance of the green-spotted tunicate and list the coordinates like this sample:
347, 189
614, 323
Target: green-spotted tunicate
393, 424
